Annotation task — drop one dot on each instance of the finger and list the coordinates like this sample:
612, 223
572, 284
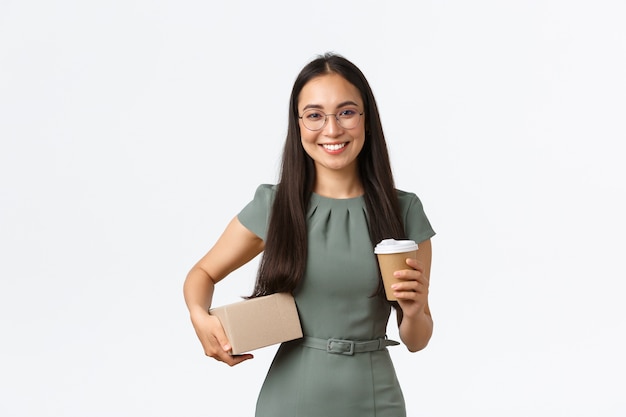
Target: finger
414, 264
405, 296
237, 359
220, 336
408, 273
417, 285
420, 285
404, 287
411, 293
223, 353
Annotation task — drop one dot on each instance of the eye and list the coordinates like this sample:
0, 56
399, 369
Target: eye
313, 116
347, 113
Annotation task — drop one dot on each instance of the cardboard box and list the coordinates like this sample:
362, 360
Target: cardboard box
259, 322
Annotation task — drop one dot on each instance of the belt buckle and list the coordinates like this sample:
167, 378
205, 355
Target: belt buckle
338, 346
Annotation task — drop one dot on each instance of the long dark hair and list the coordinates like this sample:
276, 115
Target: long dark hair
284, 259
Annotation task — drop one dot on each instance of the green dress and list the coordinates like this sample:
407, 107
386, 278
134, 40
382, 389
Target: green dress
334, 301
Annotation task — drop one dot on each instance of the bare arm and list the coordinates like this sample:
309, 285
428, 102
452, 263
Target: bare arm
234, 248
414, 319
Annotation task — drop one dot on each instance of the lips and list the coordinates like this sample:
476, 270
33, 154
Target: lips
334, 146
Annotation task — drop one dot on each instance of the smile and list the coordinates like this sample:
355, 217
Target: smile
335, 146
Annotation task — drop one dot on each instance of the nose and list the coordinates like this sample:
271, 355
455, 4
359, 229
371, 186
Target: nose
332, 128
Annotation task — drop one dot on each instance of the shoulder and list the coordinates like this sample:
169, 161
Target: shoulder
267, 187
263, 197
255, 215
408, 199
265, 192
416, 222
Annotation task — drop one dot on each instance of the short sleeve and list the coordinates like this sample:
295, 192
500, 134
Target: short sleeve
255, 216
417, 225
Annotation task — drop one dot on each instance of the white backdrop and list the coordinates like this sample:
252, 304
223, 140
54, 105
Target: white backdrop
132, 131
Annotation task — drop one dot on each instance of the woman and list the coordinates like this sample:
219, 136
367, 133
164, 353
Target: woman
317, 227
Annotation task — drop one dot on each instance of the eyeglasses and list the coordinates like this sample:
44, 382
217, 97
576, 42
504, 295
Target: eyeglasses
347, 118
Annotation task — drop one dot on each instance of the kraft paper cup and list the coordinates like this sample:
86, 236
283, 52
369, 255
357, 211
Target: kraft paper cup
392, 256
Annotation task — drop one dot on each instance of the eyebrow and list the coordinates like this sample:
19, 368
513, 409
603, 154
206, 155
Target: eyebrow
342, 104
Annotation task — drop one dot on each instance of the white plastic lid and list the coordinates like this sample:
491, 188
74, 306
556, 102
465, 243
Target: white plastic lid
387, 246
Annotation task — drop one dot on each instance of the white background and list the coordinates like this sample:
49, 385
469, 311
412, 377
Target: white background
133, 131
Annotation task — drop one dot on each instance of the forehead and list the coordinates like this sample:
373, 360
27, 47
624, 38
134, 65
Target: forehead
328, 91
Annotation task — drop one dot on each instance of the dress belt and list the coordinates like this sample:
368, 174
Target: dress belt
347, 347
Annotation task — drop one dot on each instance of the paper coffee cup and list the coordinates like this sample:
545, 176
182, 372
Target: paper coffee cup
392, 256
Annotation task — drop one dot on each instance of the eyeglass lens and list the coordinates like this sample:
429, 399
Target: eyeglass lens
314, 119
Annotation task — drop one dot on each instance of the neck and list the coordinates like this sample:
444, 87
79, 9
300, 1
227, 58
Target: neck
338, 185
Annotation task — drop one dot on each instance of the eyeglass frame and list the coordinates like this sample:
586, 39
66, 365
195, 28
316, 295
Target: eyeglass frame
326, 120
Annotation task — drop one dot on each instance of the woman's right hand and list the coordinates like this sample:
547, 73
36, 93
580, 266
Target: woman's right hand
235, 247
214, 340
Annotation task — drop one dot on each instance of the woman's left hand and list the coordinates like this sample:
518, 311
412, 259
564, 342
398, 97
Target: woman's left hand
412, 291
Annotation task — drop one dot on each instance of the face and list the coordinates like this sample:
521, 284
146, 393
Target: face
333, 147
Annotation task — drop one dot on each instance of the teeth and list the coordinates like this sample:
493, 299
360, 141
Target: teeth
334, 147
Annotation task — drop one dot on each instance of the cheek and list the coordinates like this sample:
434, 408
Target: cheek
307, 138
360, 143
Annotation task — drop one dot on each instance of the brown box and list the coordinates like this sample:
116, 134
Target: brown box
259, 322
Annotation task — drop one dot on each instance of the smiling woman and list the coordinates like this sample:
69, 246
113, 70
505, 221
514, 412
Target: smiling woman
317, 228
334, 143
